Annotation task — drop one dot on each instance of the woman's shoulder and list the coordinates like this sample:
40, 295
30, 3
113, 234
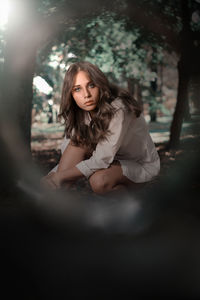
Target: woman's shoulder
117, 103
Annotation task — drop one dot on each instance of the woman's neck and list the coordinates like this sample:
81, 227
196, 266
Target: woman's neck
92, 114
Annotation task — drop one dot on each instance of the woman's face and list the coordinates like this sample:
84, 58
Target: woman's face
84, 92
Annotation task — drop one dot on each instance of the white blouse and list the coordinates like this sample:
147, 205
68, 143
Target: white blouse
129, 142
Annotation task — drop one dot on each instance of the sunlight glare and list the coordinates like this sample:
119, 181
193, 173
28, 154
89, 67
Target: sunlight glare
42, 85
4, 11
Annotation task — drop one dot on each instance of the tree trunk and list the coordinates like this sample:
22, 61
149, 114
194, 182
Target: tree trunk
152, 103
138, 94
135, 90
181, 104
184, 74
195, 90
131, 86
18, 72
187, 115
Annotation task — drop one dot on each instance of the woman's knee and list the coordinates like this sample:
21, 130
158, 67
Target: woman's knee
99, 183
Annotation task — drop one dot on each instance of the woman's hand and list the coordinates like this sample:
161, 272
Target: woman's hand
51, 180
56, 180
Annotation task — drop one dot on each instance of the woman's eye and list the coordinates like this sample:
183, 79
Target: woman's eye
91, 85
77, 89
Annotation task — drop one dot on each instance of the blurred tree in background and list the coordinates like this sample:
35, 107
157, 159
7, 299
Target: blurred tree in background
119, 49
188, 65
129, 52
126, 39
132, 41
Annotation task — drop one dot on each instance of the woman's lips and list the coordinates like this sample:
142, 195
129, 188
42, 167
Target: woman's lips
88, 103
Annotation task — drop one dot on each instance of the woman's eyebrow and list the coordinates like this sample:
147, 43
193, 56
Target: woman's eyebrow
80, 84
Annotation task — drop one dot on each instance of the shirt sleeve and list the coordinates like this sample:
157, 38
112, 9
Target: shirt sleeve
105, 150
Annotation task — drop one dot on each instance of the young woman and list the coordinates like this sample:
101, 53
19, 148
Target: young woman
107, 139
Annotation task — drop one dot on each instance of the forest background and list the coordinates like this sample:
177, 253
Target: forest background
148, 244
149, 47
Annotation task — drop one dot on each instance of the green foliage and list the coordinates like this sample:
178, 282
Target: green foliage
52, 69
37, 100
120, 52
106, 40
195, 20
47, 7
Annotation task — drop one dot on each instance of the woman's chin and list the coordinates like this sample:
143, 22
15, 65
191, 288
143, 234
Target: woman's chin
90, 108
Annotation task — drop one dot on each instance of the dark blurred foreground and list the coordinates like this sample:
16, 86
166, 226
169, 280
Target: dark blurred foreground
59, 246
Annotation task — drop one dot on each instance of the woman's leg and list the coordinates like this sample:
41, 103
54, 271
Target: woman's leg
72, 156
110, 180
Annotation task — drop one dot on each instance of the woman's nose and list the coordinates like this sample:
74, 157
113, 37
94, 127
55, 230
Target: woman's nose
86, 93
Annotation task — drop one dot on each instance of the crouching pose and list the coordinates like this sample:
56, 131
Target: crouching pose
106, 136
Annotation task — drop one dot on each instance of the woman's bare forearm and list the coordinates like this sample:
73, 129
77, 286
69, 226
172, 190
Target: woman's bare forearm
71, 174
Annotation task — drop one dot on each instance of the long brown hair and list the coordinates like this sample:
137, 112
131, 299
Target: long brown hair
74, 117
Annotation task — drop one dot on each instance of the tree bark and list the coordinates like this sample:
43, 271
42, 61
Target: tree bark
131, 86
152, 106
195, 87
135, 90
184, 74
181, 104
138, 94
19, 67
